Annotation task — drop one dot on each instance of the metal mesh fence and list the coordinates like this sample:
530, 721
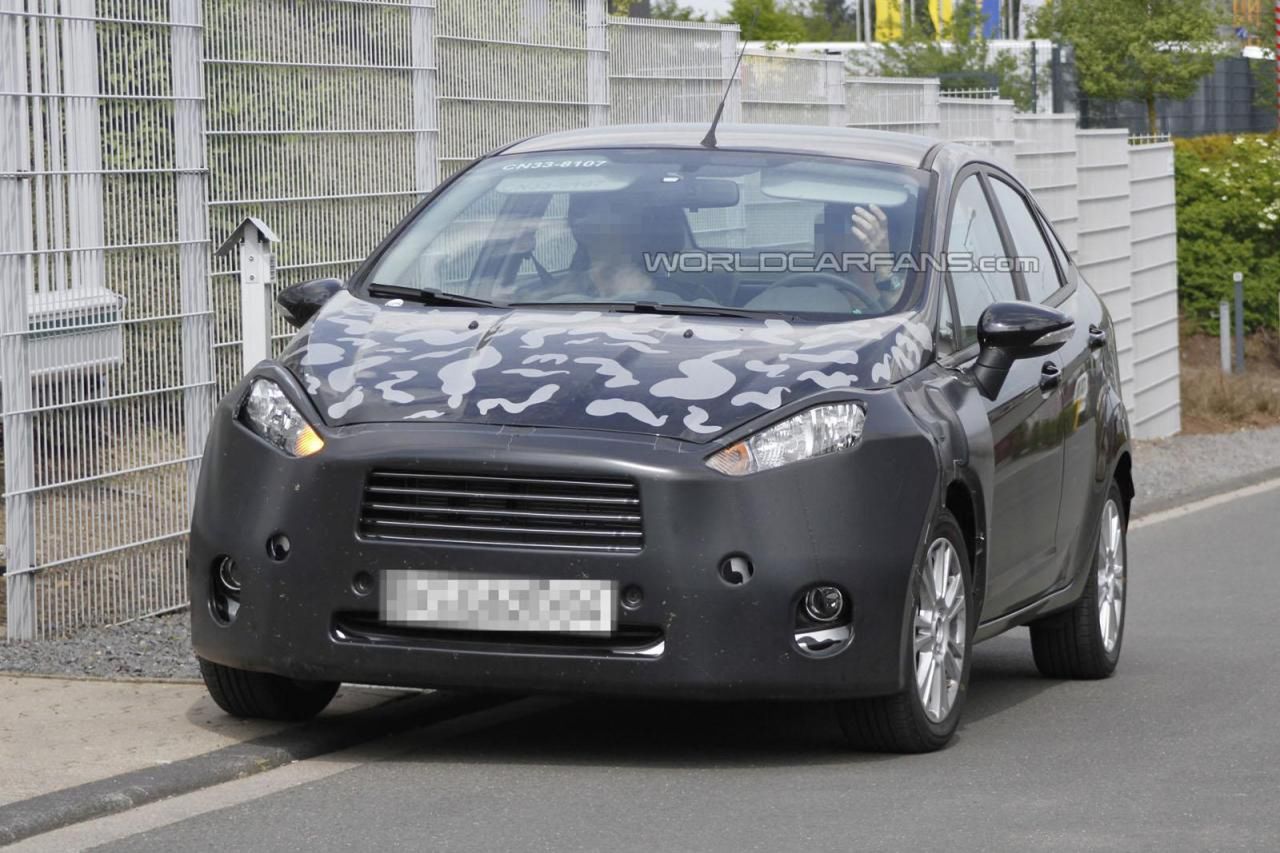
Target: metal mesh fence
509, 69
782, 88
105, 355
135, 134
668, 70
904, 104
319, 123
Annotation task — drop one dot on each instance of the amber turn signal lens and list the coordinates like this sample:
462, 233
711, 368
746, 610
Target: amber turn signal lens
308, 442
734, 460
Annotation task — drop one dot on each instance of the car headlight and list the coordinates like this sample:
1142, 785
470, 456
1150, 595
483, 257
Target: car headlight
813, 432
268, 412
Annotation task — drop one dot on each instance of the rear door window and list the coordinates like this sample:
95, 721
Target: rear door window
1035, 259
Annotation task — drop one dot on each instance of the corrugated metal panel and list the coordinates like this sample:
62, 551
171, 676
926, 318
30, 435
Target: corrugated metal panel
1154, 236
1104, 235
1045, 158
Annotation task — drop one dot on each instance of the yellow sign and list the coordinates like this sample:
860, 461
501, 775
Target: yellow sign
940, 11
889, 16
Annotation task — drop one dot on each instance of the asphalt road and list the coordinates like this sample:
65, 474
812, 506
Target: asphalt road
1178, 751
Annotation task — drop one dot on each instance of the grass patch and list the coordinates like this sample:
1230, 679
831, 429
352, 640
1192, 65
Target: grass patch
1215, 402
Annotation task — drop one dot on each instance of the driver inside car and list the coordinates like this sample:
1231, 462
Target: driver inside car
870, 229
606, 264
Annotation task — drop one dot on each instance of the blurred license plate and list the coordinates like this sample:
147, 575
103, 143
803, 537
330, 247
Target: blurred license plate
484, 603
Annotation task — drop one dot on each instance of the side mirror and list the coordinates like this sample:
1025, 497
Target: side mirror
1008, 331
301, 301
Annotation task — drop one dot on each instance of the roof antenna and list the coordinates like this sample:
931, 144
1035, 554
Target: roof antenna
709, 141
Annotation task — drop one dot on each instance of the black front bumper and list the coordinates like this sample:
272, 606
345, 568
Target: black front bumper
855, 519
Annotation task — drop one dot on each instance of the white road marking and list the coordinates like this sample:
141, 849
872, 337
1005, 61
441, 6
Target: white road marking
1206, 503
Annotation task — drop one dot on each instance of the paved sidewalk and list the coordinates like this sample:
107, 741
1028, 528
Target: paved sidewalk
56, 733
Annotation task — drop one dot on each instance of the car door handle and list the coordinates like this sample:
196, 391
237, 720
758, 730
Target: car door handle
1097, 337
1050, 376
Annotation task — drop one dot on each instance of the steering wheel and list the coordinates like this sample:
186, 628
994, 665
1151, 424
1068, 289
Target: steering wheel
845, 286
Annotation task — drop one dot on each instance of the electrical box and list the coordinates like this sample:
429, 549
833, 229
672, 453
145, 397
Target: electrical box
75, 330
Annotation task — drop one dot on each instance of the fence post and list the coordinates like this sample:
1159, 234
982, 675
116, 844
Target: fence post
15, 282
728, 59
1224, 335
257, 271
1035, 88
837, 113
597, 63
426, 163
192, 201
1238, 278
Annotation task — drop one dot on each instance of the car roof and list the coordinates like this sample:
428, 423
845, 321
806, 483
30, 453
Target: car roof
899, 149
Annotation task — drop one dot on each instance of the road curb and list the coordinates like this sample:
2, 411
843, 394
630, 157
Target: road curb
58, 809
1145, 508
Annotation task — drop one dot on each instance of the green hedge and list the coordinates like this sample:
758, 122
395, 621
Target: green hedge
1228, 190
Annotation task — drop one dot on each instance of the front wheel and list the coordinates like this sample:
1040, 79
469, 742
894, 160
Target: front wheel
923, 717
259, 694
1084, 642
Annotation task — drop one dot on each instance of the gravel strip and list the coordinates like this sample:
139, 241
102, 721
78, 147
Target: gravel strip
1187, 465
157, 647
160, 647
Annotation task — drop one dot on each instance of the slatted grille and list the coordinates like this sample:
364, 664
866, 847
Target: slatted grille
525, 512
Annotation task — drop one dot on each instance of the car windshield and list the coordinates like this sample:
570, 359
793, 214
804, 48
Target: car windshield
727, 232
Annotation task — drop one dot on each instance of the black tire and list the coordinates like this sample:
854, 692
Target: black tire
899, 723
261, 695
1070, 644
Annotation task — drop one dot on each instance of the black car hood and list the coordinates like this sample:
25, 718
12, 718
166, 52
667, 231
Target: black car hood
692, 378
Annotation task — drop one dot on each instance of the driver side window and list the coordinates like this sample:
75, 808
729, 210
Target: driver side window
979, 262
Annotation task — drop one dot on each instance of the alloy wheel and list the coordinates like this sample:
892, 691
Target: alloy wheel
939, 642
1110, 576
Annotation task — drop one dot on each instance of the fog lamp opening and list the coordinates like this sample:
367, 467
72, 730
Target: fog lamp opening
823, 621
224, 590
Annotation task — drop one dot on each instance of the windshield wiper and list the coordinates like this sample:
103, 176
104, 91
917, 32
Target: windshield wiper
429, 296
660, 308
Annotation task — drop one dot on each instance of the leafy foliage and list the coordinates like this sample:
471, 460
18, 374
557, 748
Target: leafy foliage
766, 20
666, 10
962, 58
1138, 50
1228, 192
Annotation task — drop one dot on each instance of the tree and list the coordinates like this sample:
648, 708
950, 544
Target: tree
766, 20
961, 59
827, 20
1138, 50
667, 10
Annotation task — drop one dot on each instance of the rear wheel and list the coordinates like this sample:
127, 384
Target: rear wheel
923, 717
259, 694
1084, 642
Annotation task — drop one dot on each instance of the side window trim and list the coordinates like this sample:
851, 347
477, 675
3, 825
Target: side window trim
1006, 236
1066, 284
970, 351
947, 284
1042, 225
1055, 242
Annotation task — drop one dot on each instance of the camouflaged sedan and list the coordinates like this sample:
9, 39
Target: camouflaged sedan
787, 414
